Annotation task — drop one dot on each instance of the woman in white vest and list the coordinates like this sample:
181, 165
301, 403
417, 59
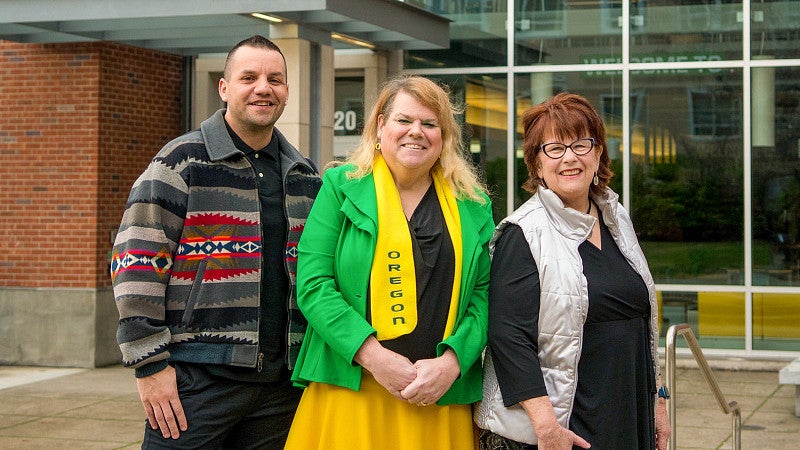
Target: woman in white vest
573, 334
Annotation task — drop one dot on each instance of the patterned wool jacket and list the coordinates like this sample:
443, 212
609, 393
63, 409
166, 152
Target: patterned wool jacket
186, 263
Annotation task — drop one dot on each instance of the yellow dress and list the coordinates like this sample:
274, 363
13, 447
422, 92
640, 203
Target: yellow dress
335, 418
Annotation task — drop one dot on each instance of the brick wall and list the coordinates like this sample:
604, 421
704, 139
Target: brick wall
140, 111
78, 123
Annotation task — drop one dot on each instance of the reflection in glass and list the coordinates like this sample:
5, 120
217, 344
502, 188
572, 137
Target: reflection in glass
686, 30
775, 325
775, 27
686, 174
477, 35
776, 176
484, 123
558, 32
348, 115
716, 318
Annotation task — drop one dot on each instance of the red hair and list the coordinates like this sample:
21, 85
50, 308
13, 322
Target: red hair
566, 116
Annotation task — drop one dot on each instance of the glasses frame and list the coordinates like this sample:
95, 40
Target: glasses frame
543, 147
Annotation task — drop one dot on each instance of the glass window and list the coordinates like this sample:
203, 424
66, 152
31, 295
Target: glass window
687, 174
717, 318
775, 325
721, 319
685, 166
686, 30
484, 128
348, 115
477, 35
560, 32
713, 113
775, 26
601, 89
775, 124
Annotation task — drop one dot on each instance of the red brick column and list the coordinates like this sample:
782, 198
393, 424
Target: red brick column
78, 123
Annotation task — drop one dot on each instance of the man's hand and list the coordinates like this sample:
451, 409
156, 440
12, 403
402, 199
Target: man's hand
159, 395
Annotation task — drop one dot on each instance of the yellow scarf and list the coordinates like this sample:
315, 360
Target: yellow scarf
393, 293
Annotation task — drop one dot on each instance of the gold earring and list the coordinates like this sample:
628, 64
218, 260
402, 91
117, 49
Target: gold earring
378, 146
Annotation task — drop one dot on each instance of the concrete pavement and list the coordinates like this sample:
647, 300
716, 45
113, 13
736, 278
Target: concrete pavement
767, 410
69, 409
53, 409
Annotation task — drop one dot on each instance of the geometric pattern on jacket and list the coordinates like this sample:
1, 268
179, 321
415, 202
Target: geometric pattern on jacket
186, 263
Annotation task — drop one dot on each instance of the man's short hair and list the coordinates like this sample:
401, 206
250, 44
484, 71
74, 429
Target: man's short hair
256, 41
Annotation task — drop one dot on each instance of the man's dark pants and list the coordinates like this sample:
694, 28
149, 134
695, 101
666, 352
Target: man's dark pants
229, 414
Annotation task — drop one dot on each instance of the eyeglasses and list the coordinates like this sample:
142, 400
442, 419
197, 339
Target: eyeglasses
556, 150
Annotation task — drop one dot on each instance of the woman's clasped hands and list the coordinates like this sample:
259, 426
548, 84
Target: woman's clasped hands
421, 383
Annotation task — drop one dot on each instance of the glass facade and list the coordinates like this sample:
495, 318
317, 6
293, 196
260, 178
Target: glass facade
701, 100
686, 166
483, 96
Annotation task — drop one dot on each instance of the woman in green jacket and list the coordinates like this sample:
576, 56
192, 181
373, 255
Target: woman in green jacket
393, 273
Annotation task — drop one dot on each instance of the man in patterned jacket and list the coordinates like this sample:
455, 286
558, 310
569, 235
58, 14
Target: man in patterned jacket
203, 269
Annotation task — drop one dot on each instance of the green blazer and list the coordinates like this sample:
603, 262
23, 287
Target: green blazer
334, 263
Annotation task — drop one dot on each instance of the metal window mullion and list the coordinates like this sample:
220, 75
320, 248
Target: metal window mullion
511, 116
626, 105
747, 181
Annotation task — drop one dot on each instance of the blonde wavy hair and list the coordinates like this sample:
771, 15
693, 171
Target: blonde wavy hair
456, 168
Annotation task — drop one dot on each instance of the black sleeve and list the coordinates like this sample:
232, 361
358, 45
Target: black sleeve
313, 166
513, 318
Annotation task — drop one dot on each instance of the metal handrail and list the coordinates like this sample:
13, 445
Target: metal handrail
728, 408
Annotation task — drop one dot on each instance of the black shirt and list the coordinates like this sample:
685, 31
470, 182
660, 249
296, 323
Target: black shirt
434, 265
275, 286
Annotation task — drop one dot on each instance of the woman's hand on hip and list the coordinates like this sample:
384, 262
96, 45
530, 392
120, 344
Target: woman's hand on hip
550, 433
559, 438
